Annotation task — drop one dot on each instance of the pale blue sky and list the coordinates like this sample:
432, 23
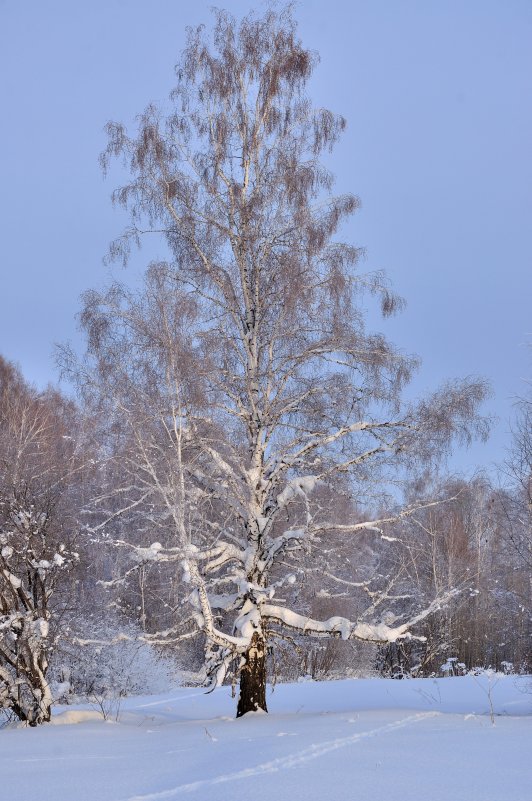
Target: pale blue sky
438, 101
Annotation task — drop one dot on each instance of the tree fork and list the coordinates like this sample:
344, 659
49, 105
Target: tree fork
252, 697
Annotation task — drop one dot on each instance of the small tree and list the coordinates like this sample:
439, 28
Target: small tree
250, 389
37, 458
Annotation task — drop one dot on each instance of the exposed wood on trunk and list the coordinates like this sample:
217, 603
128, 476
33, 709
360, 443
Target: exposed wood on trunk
252, 696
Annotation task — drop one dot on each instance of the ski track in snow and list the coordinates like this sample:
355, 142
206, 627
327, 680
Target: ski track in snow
69, 758
283, 763
167, 701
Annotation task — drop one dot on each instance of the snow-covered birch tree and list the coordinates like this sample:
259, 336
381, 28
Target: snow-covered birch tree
38, 458
243, 372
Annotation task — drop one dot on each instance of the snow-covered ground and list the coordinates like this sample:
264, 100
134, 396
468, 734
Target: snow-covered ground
366, 739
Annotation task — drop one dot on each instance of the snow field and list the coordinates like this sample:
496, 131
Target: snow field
367, 739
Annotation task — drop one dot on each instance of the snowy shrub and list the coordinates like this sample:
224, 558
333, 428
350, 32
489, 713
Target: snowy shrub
452, 667
112, 663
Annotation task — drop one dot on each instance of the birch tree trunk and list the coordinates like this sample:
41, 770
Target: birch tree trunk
252, 696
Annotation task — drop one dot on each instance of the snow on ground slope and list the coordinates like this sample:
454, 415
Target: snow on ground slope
366, 739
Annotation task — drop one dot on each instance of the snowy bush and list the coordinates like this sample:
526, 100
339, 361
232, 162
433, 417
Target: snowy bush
452, 667
112, 663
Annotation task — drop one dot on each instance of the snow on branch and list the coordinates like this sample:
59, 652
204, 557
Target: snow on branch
378, 523
218, 556
345, 629
293, 536
320, 441
299, 487
236, 644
